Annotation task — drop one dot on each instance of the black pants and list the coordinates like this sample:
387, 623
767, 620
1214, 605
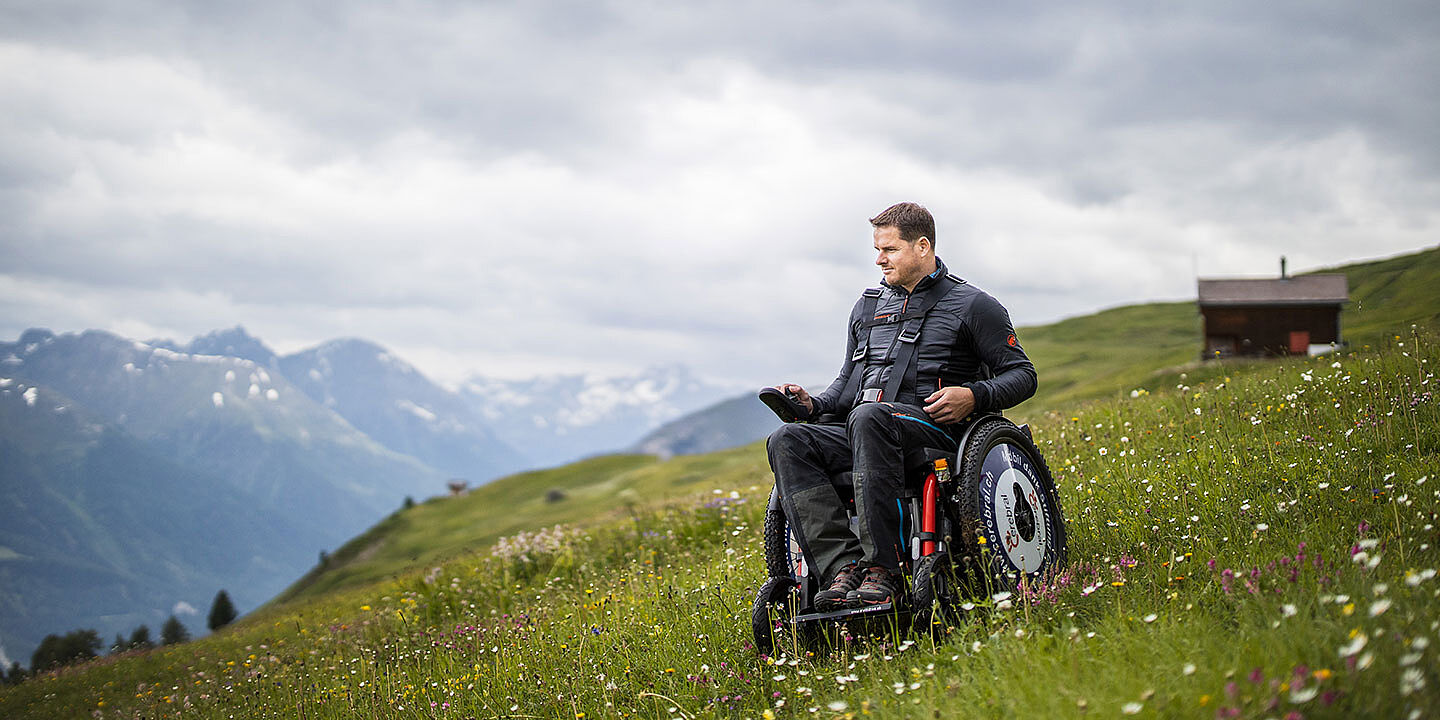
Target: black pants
872, 443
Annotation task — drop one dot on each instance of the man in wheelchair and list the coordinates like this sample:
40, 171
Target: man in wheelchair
925, 351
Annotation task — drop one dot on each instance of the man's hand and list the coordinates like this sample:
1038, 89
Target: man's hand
950, 405
800, 395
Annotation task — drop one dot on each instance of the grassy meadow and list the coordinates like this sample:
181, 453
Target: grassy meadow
1252, 540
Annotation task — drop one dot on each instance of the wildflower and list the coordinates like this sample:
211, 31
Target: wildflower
1356, 645
1132, 708
1411, 680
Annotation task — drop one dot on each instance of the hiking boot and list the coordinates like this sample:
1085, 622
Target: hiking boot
879, 586
834, 597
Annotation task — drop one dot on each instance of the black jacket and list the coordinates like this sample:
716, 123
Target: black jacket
966, 340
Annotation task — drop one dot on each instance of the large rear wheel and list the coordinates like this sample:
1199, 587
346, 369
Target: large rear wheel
1010, 525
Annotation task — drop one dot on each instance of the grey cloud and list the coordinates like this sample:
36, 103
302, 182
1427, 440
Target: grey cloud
523, 178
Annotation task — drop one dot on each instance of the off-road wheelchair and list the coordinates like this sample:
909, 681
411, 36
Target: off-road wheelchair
977, 520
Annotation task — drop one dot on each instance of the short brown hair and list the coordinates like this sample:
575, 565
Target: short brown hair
911, 219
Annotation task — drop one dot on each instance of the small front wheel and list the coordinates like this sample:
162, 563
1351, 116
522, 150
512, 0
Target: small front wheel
777, 595
934, 592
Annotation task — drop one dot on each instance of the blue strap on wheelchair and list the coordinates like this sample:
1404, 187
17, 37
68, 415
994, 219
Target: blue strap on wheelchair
901, 505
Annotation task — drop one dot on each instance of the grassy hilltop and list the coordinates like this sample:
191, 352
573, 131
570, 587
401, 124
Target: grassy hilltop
1247, 540
1146, 346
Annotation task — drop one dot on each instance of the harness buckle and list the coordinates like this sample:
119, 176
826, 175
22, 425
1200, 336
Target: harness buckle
872, 395
909, 336
859, 353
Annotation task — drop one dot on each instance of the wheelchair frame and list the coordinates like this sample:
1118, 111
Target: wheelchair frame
947, 528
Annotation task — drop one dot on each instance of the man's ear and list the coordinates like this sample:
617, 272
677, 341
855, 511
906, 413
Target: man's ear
930, 246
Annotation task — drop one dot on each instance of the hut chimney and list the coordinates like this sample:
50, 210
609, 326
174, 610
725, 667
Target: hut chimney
1283, 276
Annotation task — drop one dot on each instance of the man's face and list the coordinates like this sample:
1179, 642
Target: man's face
903, 264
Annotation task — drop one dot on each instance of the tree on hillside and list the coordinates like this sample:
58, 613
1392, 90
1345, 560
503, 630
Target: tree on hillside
173, 632
15, 676
120, 645
140, 638
222, 612
56, 650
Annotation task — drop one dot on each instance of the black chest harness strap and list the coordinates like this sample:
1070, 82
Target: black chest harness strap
901, 355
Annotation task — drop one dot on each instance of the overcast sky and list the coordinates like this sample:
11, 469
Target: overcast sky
519, 188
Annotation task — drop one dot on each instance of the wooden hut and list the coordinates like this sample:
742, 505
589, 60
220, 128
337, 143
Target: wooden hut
1271, 316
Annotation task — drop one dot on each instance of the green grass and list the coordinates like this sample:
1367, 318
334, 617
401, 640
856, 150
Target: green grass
595, 491
1112, 352
1102, 354
1390, 295
1188, 593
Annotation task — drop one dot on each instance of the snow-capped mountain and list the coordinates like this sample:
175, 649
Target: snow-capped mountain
389, 400
134, 477
562, 418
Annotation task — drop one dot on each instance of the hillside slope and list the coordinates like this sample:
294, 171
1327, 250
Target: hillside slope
1258, 541
1080, 359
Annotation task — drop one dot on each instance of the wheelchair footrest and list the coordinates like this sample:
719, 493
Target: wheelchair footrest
845, 614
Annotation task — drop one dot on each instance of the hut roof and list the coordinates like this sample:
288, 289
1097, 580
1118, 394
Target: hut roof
1325, 289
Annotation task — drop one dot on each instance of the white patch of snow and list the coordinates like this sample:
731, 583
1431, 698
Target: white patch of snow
218, 399
391, 361
254, 390
416, 410
30, 397
229, 376
272, 395
166, 354
184, 608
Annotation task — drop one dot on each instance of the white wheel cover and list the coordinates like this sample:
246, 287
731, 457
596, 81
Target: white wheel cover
1024, 555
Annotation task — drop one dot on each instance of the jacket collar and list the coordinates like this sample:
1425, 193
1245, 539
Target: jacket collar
925, 282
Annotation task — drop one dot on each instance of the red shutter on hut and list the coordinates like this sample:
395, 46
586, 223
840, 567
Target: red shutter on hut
1299, 342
